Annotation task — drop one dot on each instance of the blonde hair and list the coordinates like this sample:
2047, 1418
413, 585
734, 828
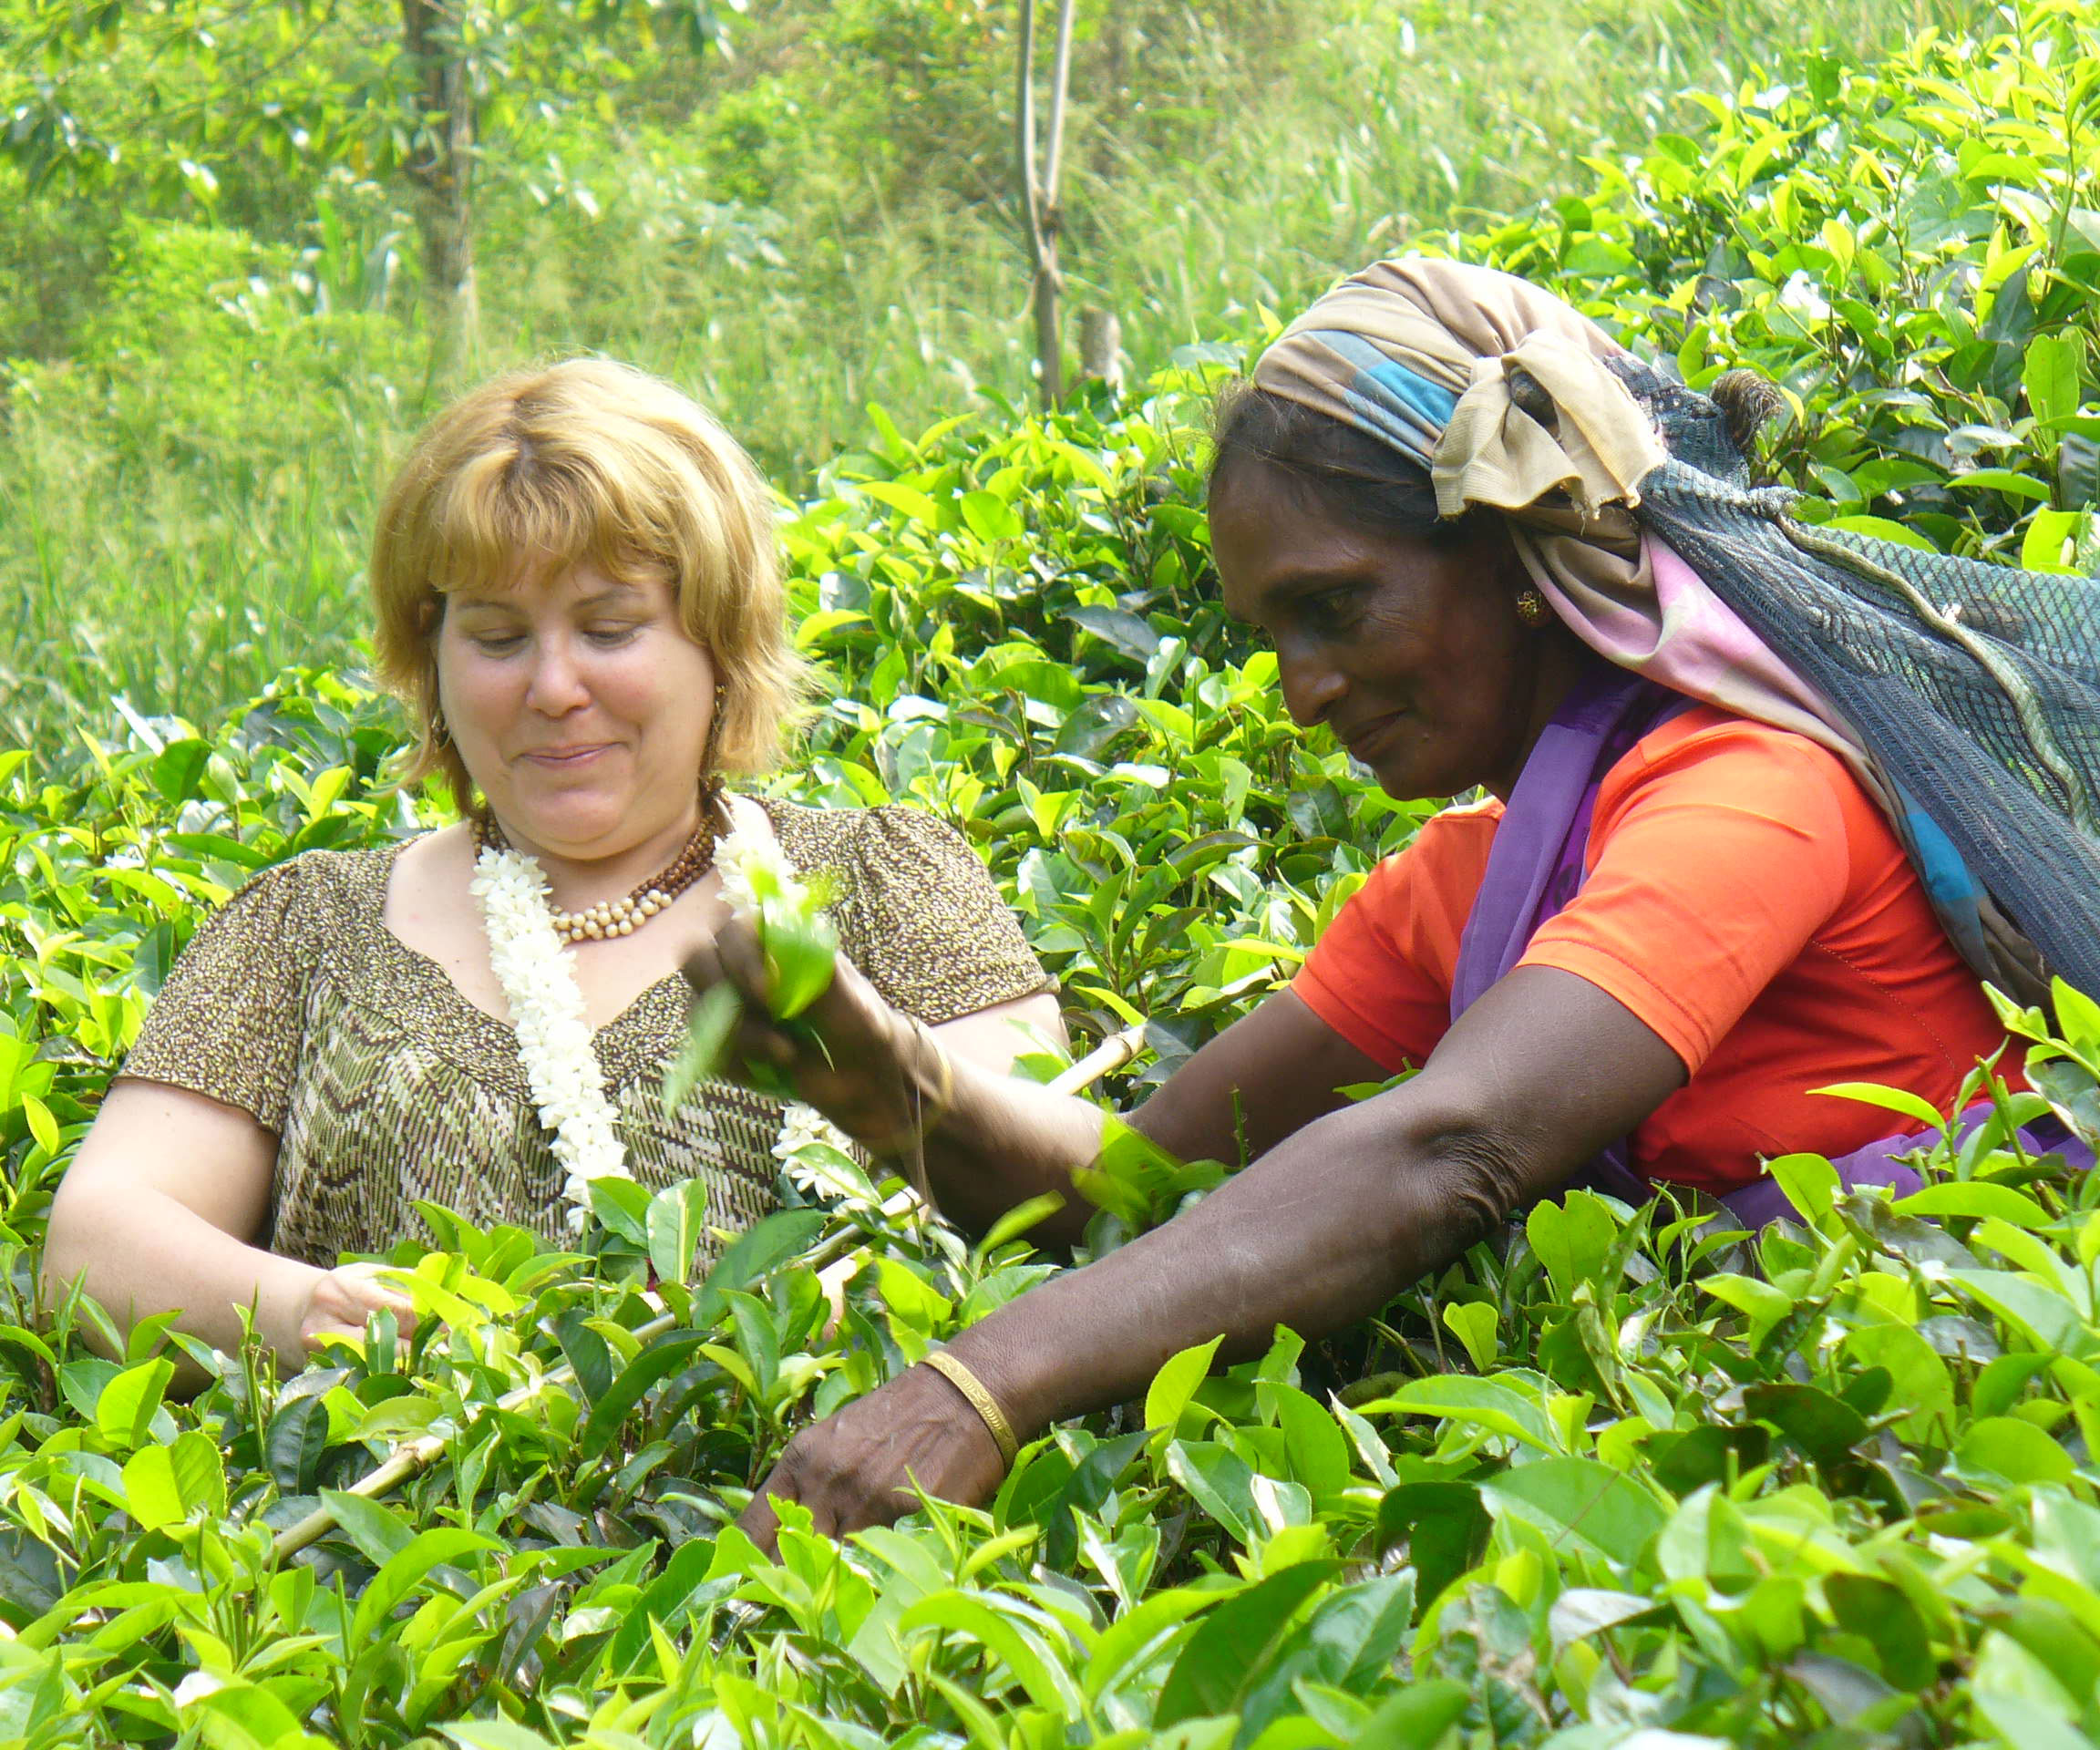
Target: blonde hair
588, 463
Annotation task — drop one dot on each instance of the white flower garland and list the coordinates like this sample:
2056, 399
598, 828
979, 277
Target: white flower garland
537, 975
748, 860
801, 1127
554, 1038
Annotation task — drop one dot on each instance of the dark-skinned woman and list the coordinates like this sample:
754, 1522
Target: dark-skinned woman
1748, 834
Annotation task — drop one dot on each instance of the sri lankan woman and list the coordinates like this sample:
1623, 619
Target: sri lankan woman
1762, 809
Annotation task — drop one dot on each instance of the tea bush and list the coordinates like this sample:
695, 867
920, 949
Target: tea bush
1910, 251
1622, 1477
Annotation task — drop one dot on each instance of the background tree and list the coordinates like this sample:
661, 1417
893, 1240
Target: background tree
440, 159
215, 341
1042, 166
225, 100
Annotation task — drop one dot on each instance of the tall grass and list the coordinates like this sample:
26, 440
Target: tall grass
183, 506
177, 592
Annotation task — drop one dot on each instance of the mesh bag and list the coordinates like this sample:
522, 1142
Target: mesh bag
1974, 688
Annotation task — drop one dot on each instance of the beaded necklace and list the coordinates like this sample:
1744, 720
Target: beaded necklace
631, 910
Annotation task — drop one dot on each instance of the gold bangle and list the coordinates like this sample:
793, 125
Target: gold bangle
981, 1400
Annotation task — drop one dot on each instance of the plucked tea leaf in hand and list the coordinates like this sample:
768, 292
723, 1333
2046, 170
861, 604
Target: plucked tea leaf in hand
713, 1019
801, 949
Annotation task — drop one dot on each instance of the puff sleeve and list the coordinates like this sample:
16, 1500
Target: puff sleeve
229, 1019
922, 917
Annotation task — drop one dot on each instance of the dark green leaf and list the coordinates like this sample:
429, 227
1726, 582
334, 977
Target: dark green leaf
1234, 1642
1824, 1427
298, 1436
1124, 631
1445, 1525
1689, 1461
1883, 1615
1095, 723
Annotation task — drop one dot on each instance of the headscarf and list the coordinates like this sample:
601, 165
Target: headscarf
1432, 358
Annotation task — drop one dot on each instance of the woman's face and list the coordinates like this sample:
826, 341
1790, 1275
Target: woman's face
1411, 652
579, 705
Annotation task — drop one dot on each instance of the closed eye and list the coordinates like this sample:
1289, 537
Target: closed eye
1328, 609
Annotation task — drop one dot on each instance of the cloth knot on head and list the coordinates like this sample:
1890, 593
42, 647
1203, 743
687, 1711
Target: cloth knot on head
1500, 391
1548, 416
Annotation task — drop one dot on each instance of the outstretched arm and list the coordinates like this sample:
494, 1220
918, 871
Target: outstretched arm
939, 1101
1323, 1229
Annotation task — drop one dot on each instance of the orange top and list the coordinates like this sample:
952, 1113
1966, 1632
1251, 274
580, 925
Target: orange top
1746, 900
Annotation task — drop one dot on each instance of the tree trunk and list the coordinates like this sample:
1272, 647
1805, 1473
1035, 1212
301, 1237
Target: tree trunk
1039, 193
441, 167
1049, 319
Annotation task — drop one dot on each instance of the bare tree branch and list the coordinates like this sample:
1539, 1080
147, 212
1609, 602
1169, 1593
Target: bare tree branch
1060, 81
1024, 114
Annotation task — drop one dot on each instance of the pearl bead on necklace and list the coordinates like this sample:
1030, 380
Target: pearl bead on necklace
630, 912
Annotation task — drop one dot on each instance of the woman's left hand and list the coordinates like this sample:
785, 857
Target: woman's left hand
850, 1054
857, 1469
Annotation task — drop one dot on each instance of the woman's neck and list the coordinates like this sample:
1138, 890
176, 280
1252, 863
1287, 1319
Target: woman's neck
1560, 660
577, 880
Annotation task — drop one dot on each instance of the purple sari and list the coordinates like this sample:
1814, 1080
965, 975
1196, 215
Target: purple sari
1536, 866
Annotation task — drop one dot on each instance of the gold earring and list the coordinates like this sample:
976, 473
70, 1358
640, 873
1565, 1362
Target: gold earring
713, 734
441, 731
1531, 608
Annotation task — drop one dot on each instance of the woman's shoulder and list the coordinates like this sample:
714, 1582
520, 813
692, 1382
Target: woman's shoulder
1708, 732
1707, 763
879, 844
313, 909
227, 1020
315, 885
917, 909
1708, 751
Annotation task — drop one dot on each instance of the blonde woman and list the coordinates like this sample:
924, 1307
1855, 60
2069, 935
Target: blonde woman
577, 595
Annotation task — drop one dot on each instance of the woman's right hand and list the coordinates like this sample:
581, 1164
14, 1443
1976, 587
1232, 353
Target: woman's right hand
869, 1068
339, 1300
862, 1465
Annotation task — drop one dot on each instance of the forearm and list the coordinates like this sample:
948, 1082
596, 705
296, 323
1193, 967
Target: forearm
1001, 1141
138, 1251
1261, 1080
1319, 1233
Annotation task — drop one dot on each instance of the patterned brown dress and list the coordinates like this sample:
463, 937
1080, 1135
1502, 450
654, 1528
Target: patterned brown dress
384, 1085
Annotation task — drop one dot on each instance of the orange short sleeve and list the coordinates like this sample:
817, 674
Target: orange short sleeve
1745, 899
1714, 860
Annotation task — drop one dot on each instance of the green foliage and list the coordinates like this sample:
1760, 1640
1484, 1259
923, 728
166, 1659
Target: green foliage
1912, 251
1622, 1472
105, 870
248, 320
179, 98
1834, 1482
1620, 1477
823, 220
